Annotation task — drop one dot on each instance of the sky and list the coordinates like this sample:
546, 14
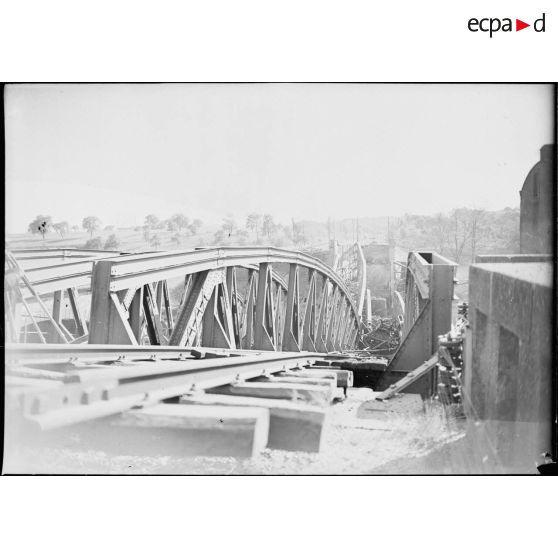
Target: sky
302, 151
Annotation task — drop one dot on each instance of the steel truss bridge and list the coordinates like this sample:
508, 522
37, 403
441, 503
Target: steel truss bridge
212, 327
311, 309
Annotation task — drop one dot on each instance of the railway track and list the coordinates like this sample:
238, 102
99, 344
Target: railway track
60, 388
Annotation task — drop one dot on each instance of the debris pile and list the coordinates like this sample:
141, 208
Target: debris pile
450, 367
381, 335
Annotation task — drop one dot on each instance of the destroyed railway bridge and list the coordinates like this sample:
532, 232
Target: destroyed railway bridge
259, 339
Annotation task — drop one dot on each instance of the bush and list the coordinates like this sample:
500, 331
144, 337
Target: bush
112, 243
94, 244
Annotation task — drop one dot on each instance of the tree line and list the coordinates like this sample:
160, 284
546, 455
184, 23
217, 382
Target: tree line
461, 234
259, 228
179, 224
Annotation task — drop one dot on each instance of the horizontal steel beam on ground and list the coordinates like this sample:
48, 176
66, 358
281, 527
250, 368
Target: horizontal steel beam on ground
30, 352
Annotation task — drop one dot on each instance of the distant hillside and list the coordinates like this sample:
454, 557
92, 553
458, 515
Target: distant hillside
461, 234
458, 235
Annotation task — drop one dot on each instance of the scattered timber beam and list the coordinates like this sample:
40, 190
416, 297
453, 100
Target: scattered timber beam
292, 426
310, 373
344, 378
150, 381
63, 417
315, 395
187, 430
410, 378
294, 379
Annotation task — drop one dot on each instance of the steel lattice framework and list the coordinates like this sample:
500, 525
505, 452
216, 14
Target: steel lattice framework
310, 310
213, 313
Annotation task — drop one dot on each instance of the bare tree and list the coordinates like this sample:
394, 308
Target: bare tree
228, 226
253, 223
61, 228
155, 241
195, 226
94, 243
477, 218
112, 243
91, 224
268, 225
440, 232
180, 221
152, 221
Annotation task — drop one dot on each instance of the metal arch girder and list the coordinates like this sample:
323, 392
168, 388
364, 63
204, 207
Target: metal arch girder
352, 258
143, 269
274, 275
77, 274
131, 270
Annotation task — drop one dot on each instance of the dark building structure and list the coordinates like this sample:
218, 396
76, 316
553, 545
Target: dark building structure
508, 376
537, 203
508, 369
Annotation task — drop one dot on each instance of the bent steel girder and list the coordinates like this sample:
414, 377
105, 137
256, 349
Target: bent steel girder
270, 318
351, 266
77, 274
54, 273
427, 308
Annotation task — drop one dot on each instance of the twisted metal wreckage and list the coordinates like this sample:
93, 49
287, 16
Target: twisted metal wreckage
240, 335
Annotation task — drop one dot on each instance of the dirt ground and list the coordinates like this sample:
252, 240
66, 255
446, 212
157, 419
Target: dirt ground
360, 436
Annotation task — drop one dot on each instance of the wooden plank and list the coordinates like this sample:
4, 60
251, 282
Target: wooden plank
62, 417
294, 379
315, 395
187, 430
345, 378
410, 378
293, 426
309, 373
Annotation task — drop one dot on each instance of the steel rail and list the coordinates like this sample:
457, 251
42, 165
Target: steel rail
55, 352
75, 402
